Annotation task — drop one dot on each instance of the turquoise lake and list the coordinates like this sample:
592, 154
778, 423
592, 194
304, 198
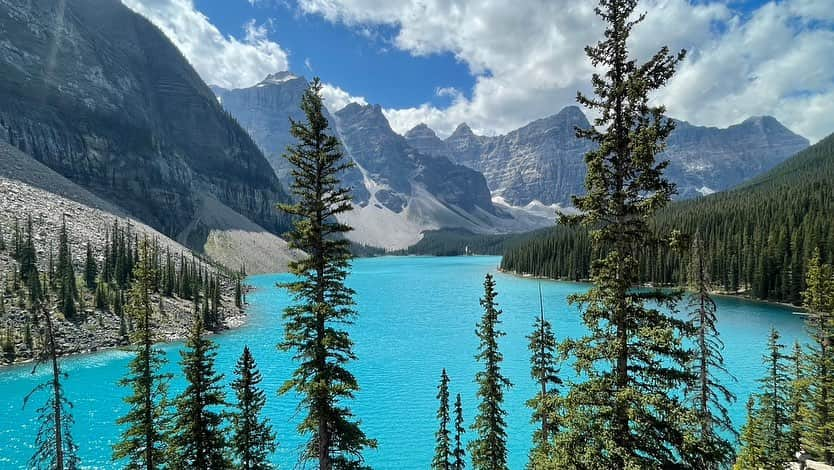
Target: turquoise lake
417, 315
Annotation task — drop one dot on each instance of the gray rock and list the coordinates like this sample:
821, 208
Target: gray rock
544, 160
99, 94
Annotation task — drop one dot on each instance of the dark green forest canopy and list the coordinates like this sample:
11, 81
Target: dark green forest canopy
759, 236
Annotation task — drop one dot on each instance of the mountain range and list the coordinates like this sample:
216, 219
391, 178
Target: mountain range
98, 94
544, 160
399, 192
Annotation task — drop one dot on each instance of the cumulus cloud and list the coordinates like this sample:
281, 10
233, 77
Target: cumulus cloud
335, 98
221, 60
528, 61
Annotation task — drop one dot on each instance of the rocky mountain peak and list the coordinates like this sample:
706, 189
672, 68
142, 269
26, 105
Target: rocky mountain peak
421, 131
463, 131
279, 78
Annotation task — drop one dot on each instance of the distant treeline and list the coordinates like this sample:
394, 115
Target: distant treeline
758, 237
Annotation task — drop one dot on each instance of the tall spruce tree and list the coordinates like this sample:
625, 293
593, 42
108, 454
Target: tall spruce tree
625, 413
54, 445
323, 302
489, 448
90, 268
67, 289
252, 438
443, 449
707, 396
766, 439
545, 371
818, 415
142, 443
458, 452
197, 437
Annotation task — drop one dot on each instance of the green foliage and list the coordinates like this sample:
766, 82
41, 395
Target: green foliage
766, 437
442, 450
142, 441
818, 413
252, 437
707, 396
489, 448
197, 437
545, 371
625, 414
759, 237
67, 288
323, 301
90, 268
458, 452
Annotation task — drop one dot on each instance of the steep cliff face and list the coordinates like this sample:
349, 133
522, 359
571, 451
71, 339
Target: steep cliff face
398, 191
100, 95
544, 161
703, 160
395, 166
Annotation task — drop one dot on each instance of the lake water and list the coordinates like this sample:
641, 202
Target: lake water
417, 315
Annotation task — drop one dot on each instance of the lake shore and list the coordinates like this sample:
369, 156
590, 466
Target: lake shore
740, 295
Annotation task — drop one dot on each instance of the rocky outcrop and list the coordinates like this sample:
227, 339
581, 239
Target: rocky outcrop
543, 162
398, 191
100, 95
30, 189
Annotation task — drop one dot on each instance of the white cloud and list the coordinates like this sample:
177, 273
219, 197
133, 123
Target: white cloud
528, 61
335, 98
221, 60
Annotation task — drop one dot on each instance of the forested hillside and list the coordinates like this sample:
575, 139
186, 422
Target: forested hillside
758, 237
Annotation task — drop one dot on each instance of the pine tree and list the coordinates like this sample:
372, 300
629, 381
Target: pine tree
766, 440
196, 438
458, 453
323, 302
54, 446
67, 289
625, 414
443, 451
489, 448
797, 398
707, 396
252, 437
90, 268
142, 442
545, 371
818, 415
752, 440
238, 293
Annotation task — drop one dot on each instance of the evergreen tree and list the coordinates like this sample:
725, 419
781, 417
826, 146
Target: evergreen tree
797, 398
489, 448
323, 301
766, 439
142, 442
625, 414
752, 440
707, 396
238, 293
54, 446
545, 371
443, 451
458, 453
818, 415
67, 289
252, 437
196, 438
90, 268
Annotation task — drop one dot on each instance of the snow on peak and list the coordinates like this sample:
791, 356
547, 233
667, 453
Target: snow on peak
278, 78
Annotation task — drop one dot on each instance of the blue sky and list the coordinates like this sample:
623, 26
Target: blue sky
362, 60
499, 64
